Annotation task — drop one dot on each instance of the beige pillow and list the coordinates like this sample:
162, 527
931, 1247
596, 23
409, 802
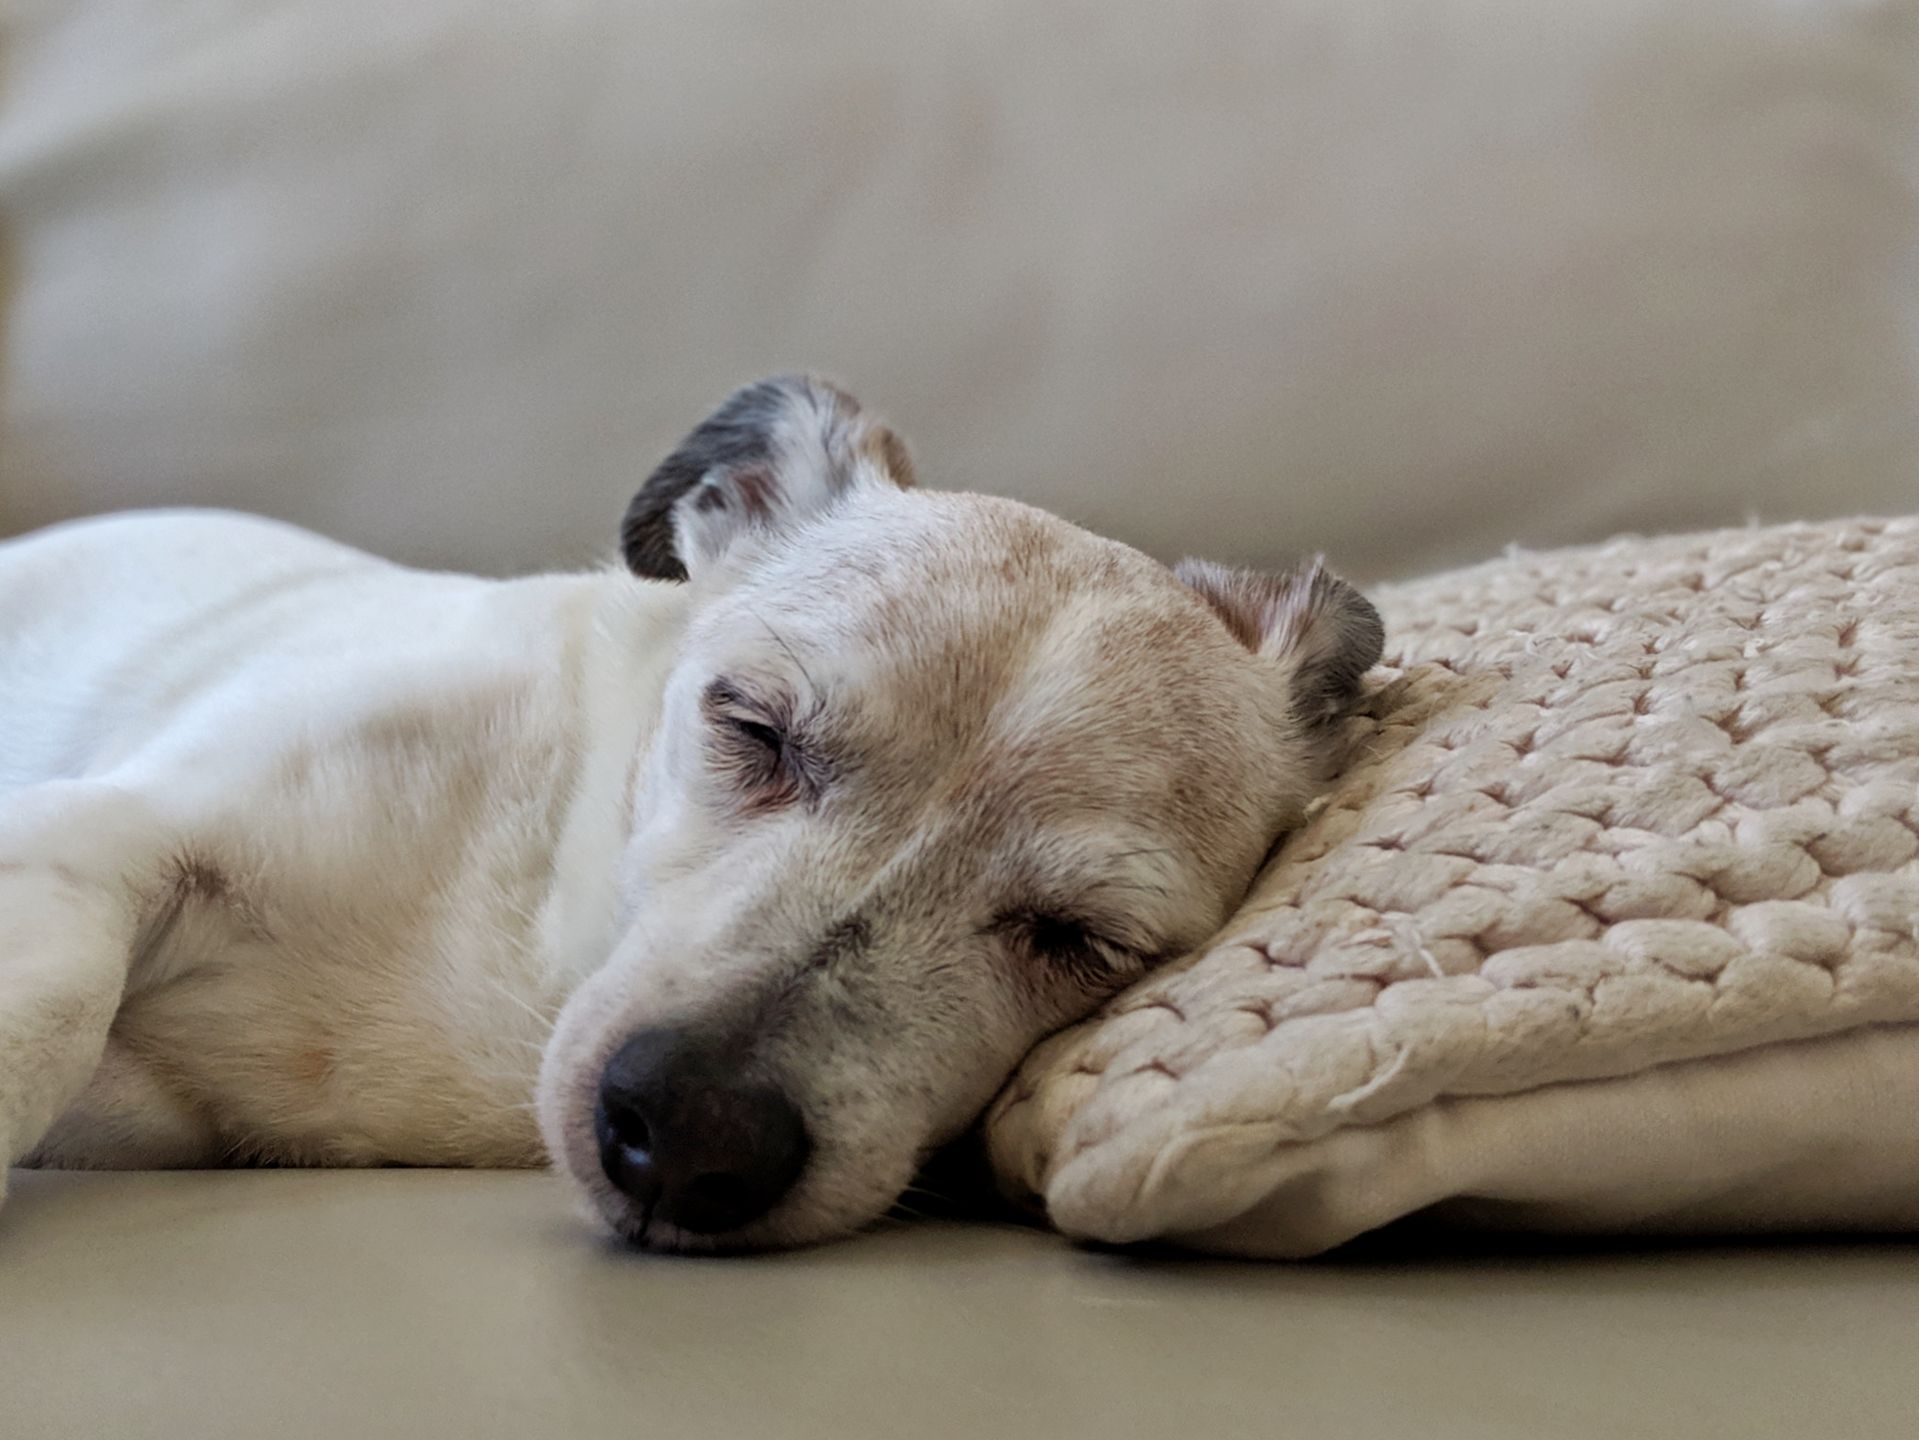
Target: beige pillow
1609, 924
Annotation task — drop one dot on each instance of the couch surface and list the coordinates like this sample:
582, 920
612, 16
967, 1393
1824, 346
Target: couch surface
312, 1306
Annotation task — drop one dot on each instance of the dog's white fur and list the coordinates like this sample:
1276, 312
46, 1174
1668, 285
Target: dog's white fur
310, 858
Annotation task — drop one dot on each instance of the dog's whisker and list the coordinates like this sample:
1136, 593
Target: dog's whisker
926, 1192
1143, 850
506, 992
791, 654
1141, 886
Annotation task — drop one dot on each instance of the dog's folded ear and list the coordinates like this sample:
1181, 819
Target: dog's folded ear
775, 452
1307, 619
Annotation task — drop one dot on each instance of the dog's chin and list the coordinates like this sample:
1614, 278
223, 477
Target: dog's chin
657, 1237
827, 1204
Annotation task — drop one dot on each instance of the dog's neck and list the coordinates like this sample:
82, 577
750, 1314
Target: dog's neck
620, 637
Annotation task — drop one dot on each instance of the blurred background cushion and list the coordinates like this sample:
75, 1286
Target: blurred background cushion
1401, 280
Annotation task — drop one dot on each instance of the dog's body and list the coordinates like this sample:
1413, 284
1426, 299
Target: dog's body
360, 833
303, 854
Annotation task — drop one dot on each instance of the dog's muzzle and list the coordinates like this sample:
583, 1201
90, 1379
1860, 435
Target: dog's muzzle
689, 1138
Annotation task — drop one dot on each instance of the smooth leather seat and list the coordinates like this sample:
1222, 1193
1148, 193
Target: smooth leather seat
324, 1305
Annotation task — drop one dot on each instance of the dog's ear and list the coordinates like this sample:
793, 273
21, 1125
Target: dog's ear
1306, 618
774, 452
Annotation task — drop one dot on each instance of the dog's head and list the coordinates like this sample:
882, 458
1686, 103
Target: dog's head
934, 776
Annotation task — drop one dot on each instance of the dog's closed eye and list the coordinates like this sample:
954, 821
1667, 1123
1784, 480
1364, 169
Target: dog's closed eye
756, 749
1071, 946
768, 740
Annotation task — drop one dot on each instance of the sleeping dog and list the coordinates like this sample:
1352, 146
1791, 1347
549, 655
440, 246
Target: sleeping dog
733, 881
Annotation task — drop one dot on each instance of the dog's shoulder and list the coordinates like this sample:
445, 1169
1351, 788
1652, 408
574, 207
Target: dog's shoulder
104, 540
125, 573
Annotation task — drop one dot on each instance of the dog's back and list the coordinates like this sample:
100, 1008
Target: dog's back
365, 766
109, 625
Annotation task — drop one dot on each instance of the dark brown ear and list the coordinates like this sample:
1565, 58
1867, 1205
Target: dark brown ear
1307, 618
775, 451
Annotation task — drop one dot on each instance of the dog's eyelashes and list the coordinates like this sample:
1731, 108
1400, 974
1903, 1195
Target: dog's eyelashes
766, 737
1071, 946
755, 750
1057, 935
754, 754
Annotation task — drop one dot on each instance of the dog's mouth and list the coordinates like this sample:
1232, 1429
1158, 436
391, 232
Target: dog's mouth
827, 1201
645, 1232
716, 1172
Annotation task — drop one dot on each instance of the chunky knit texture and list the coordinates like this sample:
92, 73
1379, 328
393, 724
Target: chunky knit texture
1605, 810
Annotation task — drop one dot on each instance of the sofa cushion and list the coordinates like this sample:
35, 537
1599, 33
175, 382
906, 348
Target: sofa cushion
1401, 281
462, 1305
1612, 816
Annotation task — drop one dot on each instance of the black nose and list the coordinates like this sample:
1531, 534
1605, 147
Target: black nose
691, 1141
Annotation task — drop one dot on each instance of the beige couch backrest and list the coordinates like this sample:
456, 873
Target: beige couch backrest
1401, 280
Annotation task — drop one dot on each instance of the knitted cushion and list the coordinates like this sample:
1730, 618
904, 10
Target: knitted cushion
1588, 935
